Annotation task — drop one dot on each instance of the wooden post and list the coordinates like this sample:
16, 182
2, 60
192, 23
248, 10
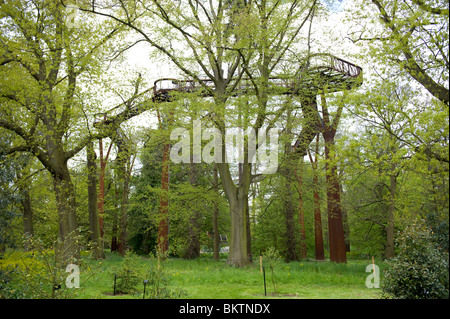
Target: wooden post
260, 264
373, 265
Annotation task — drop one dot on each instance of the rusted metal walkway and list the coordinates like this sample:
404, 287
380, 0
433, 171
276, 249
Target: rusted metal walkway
322, 71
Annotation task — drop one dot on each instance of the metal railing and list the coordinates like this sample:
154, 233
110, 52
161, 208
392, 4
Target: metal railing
320, 70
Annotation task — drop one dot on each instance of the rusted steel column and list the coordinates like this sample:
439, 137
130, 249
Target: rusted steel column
318, 234
335, 221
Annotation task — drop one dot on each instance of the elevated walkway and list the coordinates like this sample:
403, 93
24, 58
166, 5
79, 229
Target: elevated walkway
322, 71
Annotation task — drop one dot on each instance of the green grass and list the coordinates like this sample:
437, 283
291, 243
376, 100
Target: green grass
204, 278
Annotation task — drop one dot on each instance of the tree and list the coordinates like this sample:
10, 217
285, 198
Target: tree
218, 39
301, 215
397, 122
413, 36
94, 220
41, 61
215, 223
163, 227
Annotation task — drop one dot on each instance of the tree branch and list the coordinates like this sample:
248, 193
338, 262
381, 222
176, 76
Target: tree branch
430, 9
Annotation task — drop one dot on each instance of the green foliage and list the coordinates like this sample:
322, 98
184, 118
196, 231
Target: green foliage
156, 282
128, 274
8, 287
272, 254
133, 273
439, 225
420, 271
34, 274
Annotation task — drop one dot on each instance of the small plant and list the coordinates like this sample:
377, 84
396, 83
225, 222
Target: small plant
420, 271
274, 257
274, 280
272, 254
156, 282
128, 274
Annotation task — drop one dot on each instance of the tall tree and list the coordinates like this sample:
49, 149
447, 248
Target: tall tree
124, 166
393, 114
215, 221
94, 222
301, 215
163, 227
287, 193
41, 59
193, 250
413, 36
217, 45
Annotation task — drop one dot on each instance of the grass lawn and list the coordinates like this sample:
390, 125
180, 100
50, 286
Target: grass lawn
204, 278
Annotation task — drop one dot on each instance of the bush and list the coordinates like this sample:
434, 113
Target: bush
128, 274
156, 284
35, 274
132, 274
420, 270
7, 289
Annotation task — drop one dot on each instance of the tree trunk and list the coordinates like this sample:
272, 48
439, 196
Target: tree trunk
238, 254
122, 246
301, 217
101, 186
346, 228
237, 199
291, 247
27, 214
215, 221
389, 253
68, 250
318, 234
114, 232
97, 243
247, 213
249, 234
193, 250
288, 201
163, 228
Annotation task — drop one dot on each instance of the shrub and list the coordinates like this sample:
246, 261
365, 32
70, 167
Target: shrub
272, 254
34, 274
128, 274
156, 284
7, 287
420, 270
